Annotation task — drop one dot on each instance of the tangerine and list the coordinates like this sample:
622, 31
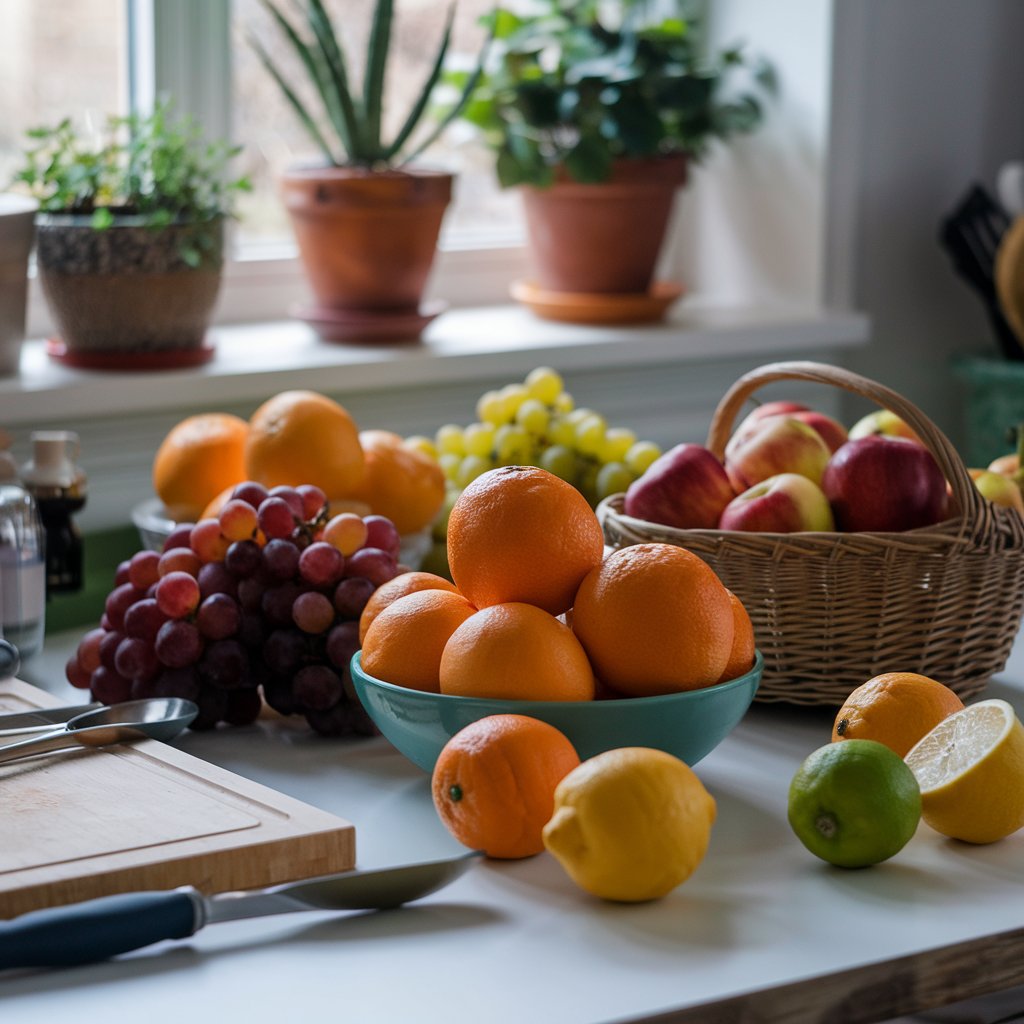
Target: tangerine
494, 783
401, 482
401, 586
200, 457
515, 651
520, 534
741, 657
654, 618
301, 437
405, 642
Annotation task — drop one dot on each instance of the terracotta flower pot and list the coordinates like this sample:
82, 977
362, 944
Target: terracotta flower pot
127, 291
17, 231
366, 238
603, 238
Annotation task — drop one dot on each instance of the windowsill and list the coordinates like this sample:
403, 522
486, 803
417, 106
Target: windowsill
254, 360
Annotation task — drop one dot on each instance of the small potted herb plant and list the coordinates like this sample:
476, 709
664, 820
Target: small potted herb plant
598, 121
365, 217
130, 238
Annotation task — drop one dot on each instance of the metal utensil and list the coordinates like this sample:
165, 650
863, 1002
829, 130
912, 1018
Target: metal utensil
42, 719
159, 718
99, 929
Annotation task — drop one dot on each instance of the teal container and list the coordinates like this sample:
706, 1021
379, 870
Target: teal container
689, 725
994, 406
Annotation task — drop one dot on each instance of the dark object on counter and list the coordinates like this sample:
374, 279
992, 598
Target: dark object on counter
971, 235
10, 660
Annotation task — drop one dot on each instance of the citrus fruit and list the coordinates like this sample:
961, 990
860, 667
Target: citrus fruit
494, 783
895, 708
741, 655
854, 803
405, 641
400, 482
521, 534
387, 593
200, 457
971, 771
515, 652
301, 437
654, 618
630, 824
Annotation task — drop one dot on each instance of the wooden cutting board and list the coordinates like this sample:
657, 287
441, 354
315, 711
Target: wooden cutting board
87, 823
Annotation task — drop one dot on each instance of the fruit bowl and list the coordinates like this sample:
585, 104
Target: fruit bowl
689, 725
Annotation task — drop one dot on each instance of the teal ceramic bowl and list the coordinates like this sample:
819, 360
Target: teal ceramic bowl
688, 725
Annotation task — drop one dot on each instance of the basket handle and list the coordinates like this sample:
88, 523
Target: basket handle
968, 501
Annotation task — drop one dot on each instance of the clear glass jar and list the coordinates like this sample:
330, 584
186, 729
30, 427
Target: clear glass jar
22, 570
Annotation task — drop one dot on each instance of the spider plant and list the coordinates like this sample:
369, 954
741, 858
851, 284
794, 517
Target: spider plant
354, 137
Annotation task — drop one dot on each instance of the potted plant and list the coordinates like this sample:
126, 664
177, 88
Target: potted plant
130, 237
365, 218
598, 122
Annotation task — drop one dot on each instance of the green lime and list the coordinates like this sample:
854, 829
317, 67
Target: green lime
854, 803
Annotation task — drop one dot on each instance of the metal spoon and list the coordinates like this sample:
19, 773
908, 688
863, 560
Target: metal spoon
99, 929
159, 718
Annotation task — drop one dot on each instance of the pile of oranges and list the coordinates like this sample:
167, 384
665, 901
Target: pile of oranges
537, 612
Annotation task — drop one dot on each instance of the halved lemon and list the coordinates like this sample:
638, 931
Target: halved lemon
970, 768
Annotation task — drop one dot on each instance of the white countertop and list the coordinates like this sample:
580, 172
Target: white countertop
517, 942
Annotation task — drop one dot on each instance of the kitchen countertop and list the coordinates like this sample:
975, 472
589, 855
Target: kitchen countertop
762, 931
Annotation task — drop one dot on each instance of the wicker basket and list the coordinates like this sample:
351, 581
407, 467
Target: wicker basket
831, 610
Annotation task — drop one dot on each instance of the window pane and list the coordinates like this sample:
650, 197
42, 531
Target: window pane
268, 128
54, 65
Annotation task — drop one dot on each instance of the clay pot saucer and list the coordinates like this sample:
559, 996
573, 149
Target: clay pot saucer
599, 308
113, 359
366, 325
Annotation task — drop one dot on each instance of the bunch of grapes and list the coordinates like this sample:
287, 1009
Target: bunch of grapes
263, 600
536, 423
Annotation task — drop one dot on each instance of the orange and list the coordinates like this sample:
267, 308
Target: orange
895, 708
301, 437
515, 652
494, 783
741, 657
199, 458
405, 641
401, 586
401, 482
521, 534
212, 509
654, 618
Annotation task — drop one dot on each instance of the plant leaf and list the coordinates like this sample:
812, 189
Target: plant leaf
376, 65
349, 129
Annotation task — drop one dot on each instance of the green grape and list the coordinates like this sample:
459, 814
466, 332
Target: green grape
590, 433
422, 444
564, 403
470, 468
641, 455
575, 416
533, 415
586, 481
617, 441
450, 463
490, 408
560, 460
479, 438
512, 445
612, 478
544, 384
513, 396
450, 441
562, 432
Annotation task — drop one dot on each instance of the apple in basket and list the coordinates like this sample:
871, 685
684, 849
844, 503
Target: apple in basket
884, 422
998, 489
787, 503
833, 433
884, 484
774, 445
687, 488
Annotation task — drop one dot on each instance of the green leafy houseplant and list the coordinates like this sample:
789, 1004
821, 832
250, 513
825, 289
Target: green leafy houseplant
566, 87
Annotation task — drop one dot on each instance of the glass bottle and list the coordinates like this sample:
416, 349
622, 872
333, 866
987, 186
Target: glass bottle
22, 570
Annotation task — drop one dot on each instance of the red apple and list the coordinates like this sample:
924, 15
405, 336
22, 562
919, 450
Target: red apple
833, 433
686, 487
776, 444
883, 422
999, 489
767, 409
884, 484
787, 503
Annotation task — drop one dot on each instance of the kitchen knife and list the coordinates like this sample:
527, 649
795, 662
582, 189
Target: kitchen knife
99, 929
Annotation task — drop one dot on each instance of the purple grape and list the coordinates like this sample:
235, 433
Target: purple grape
334, 721
180, 537
177, 682
316, 687
144, 619
375, 564
136, 659
218, 617
215, 579
292, 498
301, 538
243, 706
213, 703
142, 689
119, 600
277, 604
225, 665
178, 644
313, 500
284, 651
275, 518
312, 612
110, 687
342, 643
121, 573
281, 559
351, 595
108, 649
381, 533
277, 692
250, 594
321, 564
251, 493
251, 630
243, 558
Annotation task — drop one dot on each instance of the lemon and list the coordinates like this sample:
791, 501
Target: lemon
630, 824
854, 803
971, 771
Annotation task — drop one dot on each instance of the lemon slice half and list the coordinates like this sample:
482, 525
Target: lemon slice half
970, 768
